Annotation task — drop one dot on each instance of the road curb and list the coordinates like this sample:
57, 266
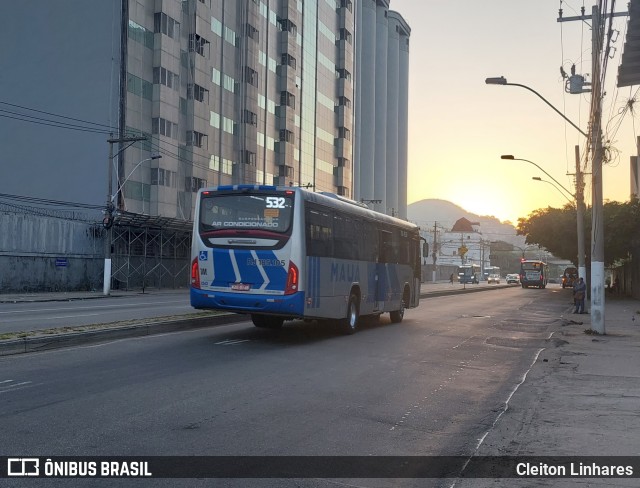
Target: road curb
457, 291
57, 341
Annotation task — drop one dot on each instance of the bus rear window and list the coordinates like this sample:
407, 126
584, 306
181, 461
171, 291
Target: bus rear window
263, 212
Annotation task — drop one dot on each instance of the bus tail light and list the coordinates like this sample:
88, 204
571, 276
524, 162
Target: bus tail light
195, 274
292, 279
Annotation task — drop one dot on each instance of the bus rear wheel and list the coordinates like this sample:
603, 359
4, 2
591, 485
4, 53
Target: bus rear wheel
397, 315
350, 324
266, 321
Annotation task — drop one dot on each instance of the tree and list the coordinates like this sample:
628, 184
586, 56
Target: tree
555, 229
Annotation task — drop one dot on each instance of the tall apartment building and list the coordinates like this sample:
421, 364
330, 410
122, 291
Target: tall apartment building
382, 98
236, 91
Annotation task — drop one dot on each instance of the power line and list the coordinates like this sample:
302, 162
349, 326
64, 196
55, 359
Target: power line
51, 123
49, 202
59, 116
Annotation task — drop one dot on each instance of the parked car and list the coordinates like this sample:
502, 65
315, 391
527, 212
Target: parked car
493, 278
513, 278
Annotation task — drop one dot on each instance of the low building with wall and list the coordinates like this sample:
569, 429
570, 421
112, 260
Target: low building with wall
49, 250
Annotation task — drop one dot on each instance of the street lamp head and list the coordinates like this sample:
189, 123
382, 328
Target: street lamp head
507, 156
497, 80
156, 156
537, 178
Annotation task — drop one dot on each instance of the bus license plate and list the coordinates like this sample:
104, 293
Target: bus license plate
240, 286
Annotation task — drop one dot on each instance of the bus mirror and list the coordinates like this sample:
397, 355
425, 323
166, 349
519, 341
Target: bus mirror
425, 249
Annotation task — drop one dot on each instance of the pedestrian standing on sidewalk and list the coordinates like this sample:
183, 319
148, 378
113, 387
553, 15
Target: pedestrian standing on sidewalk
451, 278
579, 291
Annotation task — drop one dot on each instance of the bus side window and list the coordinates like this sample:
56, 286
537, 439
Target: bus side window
385, 251
319, 233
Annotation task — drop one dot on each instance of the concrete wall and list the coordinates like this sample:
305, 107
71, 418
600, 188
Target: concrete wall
49, 253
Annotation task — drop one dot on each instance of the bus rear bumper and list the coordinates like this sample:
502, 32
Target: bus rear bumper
286, 305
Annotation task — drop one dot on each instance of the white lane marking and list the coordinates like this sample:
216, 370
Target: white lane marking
13, 386
231, 342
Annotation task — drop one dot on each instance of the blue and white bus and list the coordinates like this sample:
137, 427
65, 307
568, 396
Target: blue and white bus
281, 253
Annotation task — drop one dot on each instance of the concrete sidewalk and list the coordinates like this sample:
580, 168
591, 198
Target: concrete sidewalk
579, 399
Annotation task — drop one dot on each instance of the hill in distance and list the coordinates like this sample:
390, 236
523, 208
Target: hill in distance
444, 213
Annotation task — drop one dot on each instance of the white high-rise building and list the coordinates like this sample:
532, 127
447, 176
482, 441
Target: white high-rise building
382, 85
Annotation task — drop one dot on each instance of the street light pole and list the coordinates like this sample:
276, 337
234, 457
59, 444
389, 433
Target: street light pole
513, 158
501, 80
121, 185
107, 222
572, 202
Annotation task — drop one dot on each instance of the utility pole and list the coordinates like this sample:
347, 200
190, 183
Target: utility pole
434, 251
595, 136
580, 211
107, 221
597, 237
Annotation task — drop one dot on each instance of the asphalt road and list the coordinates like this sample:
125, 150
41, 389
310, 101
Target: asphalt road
432, 385
26, 314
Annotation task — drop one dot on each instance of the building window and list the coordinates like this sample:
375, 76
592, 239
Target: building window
230, 36
229, 83
251, 32
345, 35
215, 76
193, 184
344, 102
287, 99
214, 162
248, 117
343, 73
227, 125
344, 133
287, 25
216, 26
250, 76
197, 139
163, 177
346, 4
197, 44
165, 77
288, 60
344, 163
287, 136
197, 92
140, 34
139, 87
248, 157
164, 127
166, 25
214, 119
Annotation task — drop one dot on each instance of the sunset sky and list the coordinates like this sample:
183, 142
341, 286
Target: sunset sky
459, 126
